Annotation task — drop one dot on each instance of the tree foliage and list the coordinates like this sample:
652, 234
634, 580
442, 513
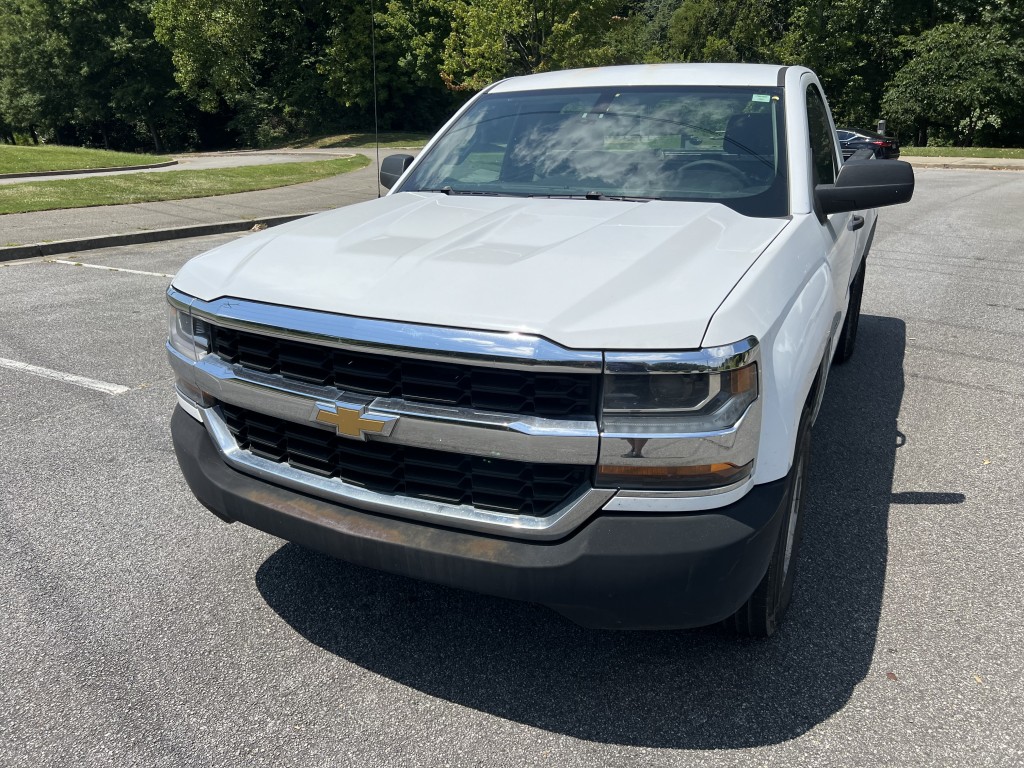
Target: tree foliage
35, 85
492, 39
409, 38
726, 30
84, 69
961, 79
257, 59
186, 72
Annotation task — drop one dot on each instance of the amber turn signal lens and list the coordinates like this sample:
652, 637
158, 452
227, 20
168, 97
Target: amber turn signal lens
193, 393
699, 476
743, 380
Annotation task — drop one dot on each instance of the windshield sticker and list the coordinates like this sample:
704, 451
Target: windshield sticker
760, 97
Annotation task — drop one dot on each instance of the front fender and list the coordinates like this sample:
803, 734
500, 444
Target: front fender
797, 351
787, 300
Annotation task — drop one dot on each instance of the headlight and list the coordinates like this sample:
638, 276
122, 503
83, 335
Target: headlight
186, 334
687, 421
678, 402
189, 337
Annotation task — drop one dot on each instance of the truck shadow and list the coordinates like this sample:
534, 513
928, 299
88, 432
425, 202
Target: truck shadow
685, 690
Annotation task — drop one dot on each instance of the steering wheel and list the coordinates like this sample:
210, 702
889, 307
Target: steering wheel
717, 165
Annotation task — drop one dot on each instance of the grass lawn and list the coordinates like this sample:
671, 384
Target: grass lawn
962, 152
49, 157
172, 185
388, 139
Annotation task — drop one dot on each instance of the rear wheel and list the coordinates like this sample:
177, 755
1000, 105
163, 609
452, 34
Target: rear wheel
848, 336
761, 614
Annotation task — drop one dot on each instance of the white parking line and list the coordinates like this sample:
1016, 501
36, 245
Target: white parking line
69, 378
109, 269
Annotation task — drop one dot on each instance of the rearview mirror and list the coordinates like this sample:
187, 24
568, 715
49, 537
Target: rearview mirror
391, 169
867, 184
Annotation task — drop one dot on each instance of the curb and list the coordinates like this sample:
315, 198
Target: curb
75, 171
957, 164
954, 167
36, 250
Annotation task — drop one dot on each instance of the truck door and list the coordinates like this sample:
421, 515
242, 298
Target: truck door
837, 229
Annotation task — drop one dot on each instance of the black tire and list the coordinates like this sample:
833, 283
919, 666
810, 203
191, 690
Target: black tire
761, 615
848, 336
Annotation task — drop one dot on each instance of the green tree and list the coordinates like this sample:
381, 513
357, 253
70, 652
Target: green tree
492, 39
37, 84
640, 31
834, 38
261, 59
216, 46
633, 39
76, 69
121, 75
726, 30
123, 72
410, 37
960, 79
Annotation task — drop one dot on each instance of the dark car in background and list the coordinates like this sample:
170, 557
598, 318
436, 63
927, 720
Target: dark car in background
883, 147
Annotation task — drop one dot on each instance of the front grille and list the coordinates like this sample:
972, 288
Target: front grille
495, 484
528, 393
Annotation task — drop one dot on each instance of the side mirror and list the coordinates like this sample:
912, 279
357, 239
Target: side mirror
391, 169
867, 184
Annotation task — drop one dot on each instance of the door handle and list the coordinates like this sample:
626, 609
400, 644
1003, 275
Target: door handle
855, 223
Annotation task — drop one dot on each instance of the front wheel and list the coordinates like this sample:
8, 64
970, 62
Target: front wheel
761, 615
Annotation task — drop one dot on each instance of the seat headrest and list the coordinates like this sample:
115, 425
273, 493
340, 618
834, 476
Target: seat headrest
750, 134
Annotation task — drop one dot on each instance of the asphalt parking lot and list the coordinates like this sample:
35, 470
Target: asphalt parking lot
138, 630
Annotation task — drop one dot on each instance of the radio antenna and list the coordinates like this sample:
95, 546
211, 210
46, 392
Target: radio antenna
373, 58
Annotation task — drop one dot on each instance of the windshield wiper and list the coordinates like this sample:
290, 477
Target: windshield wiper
446, 190
598, 196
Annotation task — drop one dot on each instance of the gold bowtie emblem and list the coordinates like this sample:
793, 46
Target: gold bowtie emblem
353, 421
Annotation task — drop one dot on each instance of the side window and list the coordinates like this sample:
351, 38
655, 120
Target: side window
823, 151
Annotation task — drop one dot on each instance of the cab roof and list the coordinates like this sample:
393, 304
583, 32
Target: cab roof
758, 75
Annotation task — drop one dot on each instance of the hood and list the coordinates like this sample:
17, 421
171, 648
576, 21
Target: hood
586, 274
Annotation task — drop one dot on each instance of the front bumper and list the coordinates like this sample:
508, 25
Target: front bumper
633, 571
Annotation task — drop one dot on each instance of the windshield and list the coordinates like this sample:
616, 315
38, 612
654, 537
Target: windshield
653, 143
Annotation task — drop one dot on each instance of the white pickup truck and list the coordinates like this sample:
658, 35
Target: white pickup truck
573, 357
